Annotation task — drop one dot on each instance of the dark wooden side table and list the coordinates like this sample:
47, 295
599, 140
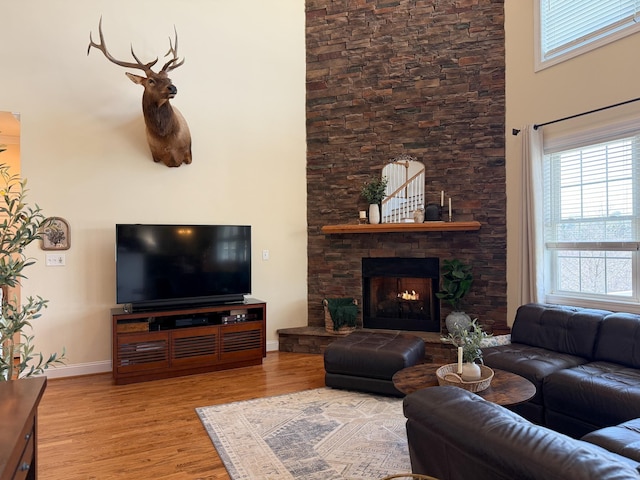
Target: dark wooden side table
506, 388
19, 401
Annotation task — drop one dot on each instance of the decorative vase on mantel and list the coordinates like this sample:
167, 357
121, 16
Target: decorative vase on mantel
457, 319
374, 213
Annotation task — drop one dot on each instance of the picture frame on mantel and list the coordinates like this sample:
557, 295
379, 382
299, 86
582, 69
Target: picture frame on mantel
56, 234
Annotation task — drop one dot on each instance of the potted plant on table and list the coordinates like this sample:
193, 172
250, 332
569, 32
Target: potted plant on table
456, 284
374, 192
469, 339
19, 227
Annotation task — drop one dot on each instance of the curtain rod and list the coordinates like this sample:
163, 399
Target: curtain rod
515, 131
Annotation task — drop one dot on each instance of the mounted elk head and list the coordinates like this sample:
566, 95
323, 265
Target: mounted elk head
167, 131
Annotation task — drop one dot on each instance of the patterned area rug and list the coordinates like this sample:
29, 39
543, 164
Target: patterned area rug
321, 434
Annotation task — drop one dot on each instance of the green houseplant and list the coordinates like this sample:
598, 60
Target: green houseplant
456, 284
19, 227
373, 192
469, 339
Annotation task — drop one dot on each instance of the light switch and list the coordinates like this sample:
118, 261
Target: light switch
55, 259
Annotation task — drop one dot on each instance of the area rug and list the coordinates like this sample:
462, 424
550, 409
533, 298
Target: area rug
320, 434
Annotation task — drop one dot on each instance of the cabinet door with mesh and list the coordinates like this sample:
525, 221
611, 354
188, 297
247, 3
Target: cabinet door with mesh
197, 346
138, 352
241, 341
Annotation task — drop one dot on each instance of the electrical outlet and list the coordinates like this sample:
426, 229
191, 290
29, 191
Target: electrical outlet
55, 259
265, 255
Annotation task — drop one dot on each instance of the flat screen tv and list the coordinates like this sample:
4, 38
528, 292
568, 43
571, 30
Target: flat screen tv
165, 266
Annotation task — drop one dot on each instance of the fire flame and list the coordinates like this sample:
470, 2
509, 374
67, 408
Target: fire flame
406, 295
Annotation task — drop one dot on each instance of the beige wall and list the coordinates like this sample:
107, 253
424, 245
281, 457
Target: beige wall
84, 153
242, 92
605, 76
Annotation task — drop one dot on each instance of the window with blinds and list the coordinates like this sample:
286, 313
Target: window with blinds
591, 226
567, 28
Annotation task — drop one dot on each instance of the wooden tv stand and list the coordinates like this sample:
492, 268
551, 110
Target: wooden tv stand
149, 345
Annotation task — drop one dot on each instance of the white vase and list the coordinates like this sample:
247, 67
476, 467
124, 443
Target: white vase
374, 214
471, 372
457, 319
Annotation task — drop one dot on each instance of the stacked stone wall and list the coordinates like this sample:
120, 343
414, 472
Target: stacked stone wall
424, 78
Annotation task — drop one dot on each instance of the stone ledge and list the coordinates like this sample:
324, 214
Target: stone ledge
316, 339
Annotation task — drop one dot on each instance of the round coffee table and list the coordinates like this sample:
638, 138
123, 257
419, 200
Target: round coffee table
506, 388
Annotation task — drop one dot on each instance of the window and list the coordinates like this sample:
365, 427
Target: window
567, 28
592, 220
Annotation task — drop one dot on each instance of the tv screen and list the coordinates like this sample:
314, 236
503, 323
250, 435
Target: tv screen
177, 265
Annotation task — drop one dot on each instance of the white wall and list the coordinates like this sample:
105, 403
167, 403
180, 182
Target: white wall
84, 152
605, 76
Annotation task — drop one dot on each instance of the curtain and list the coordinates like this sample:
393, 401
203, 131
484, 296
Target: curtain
531, 243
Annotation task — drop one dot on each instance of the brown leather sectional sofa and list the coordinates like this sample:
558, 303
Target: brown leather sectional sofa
583, 422
585, 364
454, 434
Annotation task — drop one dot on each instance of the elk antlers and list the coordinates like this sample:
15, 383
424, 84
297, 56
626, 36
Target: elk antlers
146, 67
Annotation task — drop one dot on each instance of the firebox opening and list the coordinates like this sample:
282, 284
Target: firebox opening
399, 294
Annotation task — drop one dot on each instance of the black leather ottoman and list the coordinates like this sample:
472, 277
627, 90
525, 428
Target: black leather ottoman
366, 361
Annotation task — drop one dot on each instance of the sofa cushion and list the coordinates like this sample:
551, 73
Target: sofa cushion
453, 433
558, 328
623, 439
619, 340
599, 393
532, 363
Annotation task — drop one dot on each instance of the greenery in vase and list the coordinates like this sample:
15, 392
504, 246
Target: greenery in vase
456, 282
374, 190
20, 226
470, 339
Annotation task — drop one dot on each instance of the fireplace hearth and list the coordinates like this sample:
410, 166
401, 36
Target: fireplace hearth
399, 294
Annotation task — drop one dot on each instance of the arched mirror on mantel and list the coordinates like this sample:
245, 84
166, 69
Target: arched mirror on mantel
405, 188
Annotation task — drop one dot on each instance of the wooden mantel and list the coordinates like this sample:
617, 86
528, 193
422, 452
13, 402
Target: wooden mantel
402, 227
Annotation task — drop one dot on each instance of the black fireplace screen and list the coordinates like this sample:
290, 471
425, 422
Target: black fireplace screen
399, 294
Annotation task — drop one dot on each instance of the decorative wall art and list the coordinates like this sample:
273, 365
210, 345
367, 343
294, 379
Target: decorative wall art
55, 234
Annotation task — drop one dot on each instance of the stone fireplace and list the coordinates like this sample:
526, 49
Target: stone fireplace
436, 92
399, 294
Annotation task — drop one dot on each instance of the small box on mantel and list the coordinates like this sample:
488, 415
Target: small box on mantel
132, 326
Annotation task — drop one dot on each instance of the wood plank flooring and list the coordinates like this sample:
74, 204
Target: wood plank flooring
91, 429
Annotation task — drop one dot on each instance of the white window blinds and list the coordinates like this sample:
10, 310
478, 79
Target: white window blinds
570, 27
592, 200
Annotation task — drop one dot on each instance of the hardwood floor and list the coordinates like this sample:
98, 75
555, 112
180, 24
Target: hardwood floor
91, 429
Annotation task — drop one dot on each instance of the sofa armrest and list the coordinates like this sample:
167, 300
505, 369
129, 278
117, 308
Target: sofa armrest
453, 433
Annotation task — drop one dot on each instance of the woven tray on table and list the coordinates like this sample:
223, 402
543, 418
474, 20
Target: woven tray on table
447, 376
328, 322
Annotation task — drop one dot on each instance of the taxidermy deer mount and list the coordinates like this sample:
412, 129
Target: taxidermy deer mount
167, 130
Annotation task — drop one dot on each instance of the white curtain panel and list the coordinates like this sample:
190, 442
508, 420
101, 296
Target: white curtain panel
531, 242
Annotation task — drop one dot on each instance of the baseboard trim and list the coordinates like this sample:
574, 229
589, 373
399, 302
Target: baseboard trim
78, 369
273, 346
